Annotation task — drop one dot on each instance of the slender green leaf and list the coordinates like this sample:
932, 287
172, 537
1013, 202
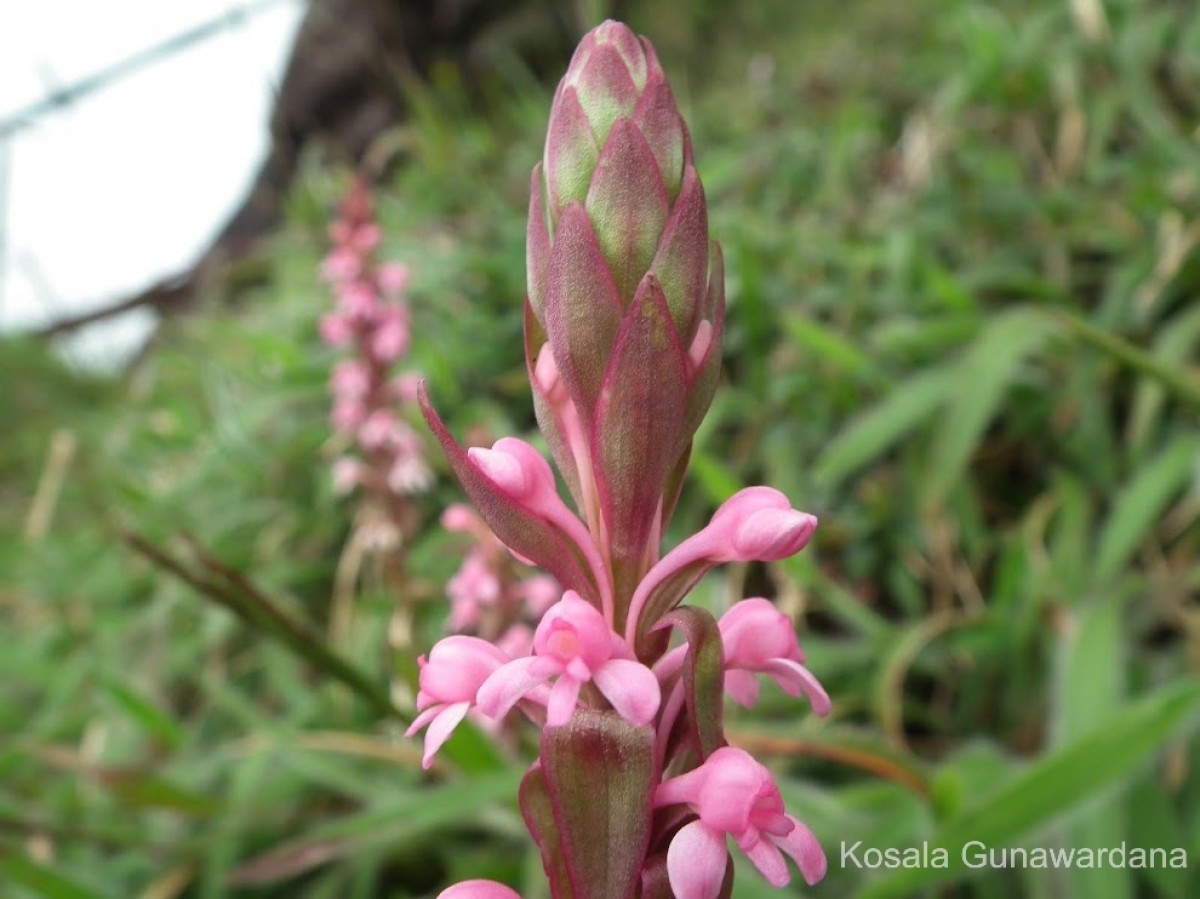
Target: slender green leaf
1154, 818
982, 379
1140, 504
826, 345
389, 823
1176, 344
877, 430
1185, 386
1090, 688
46, 882
148, 716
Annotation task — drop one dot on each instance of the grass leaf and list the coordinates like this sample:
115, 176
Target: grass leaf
1139, 505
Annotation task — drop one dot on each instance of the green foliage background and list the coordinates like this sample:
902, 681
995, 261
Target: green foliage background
963, 330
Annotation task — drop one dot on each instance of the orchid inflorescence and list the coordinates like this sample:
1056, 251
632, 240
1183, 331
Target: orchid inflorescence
635, 789
385, 455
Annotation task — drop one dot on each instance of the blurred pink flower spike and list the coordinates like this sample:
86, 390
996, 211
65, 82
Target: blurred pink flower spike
759, 639
755, 524
575, 645
734, 796
479, 889
449, 681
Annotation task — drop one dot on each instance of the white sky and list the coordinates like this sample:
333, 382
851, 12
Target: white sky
128, 185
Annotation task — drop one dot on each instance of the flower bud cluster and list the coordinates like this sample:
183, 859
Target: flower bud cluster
385, 455
636, 792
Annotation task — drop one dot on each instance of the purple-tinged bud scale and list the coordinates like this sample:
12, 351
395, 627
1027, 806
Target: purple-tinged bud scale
621, 287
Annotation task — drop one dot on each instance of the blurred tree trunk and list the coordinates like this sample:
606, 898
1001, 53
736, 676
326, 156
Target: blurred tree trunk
343, 87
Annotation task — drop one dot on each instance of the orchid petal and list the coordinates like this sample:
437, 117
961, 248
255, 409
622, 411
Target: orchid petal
742, 686
696, 862
631, 687
769, 861
802, 845
794, 678
457, 665
424, 718
506, 687
564, 696
440, 729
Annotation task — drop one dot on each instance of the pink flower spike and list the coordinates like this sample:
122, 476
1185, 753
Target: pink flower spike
757, 638
575, 645
734, 796
450, 679
479, 889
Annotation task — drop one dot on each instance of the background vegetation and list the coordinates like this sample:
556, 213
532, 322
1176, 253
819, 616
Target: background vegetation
963, 329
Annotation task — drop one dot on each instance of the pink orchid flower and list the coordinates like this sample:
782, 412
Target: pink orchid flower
734, 796
574, 645
759, 639
450, 679
755, 524
525, 476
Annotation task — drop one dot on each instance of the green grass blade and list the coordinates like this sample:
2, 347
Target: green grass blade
44, 881
1140, 504
1090, 688
982, 379
877, 430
